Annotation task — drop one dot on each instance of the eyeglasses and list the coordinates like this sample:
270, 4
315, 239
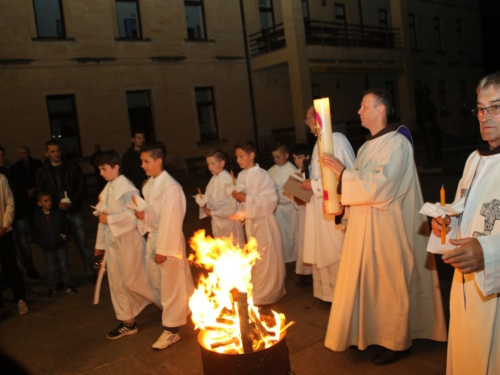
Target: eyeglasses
491, 110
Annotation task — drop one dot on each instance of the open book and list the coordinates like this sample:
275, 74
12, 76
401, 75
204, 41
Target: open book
292, 186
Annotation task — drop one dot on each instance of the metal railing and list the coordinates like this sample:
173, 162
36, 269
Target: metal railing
351, 35
267, 40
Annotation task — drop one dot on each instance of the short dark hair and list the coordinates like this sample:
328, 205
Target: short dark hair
109, 157
247, 146
280, 146
41, 194
381, 97
488, 81
157, 150
51, 142
301, 149
136, 131
217, 153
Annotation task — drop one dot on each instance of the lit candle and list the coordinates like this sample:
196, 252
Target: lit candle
135, 202
232, 176
325, 144
199, 192
443, 228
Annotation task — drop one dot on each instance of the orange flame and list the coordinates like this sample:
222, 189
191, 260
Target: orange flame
212, 306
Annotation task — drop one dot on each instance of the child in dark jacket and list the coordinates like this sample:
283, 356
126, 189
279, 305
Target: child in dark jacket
50, 233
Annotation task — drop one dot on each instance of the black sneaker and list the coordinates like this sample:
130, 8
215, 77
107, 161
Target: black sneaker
52, 293
71, 290
122, 330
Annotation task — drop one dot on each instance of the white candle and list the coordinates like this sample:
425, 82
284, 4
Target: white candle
325, 144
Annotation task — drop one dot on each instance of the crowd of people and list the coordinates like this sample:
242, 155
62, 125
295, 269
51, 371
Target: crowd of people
368, 260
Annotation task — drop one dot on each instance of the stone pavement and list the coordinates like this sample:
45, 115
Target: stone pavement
67, 334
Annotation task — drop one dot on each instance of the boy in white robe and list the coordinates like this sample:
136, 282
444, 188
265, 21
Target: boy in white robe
221, 207
117, 234
301, 157
287, 211
323, 238
258, 202
166, 247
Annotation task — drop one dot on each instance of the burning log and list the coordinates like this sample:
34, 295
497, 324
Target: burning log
245, 330
262, 330
227, 322
233, 340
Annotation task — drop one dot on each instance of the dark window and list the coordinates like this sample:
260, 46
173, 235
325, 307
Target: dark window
442, 97
64, 124
139, 113
207, 119
49, 19
412, 25
195, 19
266, 14
305, 9
382, 18
437, 34
460, 35
340, 13
128, 18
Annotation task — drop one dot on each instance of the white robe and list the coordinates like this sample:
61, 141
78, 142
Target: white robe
474, 338
387, 290
222, 208
163, 221
300, 267
286, 212
323, 239
268, 273
130, 287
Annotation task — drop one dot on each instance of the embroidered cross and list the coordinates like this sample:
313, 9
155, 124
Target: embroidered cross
491, 213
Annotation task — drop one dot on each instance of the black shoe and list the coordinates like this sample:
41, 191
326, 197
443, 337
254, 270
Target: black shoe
305, 280
71, 290
387, 356
93, 279
52, 293
122, 330
33, 275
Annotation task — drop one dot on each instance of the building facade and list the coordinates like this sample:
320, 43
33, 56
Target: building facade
89, 71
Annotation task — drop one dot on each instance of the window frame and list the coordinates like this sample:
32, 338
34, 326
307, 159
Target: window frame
207, 104
269, 9
61, 12
149, 133
200, 4
139, 26
74, 114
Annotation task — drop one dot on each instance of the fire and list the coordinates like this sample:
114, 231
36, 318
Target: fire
222, 304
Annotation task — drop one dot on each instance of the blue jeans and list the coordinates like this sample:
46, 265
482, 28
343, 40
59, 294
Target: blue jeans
80, 237
21, 238
57, 263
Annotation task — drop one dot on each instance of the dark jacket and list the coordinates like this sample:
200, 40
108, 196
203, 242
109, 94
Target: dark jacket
47, 229
131, 167
24, 179
73, 182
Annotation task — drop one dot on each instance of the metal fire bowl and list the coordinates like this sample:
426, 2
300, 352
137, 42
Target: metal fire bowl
271, 361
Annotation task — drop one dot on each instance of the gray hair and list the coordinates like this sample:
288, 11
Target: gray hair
491, 80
